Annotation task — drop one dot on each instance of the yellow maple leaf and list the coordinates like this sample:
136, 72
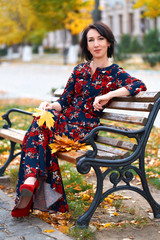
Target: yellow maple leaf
49, 230
107, 225
63, 229
116, 214
85, 197
44, 117
77, 188
2, 187
109, 200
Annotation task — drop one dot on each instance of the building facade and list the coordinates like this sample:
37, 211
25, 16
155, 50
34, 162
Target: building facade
120, 16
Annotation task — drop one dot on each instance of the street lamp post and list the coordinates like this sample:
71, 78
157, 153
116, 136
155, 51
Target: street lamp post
96, 14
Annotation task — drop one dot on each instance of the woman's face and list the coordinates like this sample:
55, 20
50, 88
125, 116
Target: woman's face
97, 45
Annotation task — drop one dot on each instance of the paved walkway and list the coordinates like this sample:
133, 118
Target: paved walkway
24, 228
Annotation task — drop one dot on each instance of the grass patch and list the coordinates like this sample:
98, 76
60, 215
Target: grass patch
18, 120
13, 175
78, 191
83, 234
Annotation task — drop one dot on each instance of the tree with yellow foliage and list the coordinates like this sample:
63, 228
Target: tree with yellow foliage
151, 7
19, 23
73, 15
24, 20
79, 18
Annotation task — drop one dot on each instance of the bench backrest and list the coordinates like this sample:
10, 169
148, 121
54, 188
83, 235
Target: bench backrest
123, 113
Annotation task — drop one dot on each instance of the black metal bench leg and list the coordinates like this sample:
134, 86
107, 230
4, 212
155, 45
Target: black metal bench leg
154, 205
84, 220
10, 158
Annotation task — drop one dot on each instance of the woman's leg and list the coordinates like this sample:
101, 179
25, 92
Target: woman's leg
38, 162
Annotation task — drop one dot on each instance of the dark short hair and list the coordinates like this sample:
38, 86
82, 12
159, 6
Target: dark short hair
104, 31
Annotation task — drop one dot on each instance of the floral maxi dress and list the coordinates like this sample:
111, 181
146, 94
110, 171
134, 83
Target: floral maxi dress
76, 120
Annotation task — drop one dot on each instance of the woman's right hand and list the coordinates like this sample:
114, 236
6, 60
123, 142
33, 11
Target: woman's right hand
48, 106
45, 106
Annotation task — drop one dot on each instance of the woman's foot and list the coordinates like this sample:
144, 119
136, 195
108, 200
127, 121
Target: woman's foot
30, 180
29, 187
22, 212
27, 191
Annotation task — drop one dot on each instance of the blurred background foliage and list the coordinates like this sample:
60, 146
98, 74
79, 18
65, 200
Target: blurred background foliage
149, 47
19, 23
151, 7
25, 22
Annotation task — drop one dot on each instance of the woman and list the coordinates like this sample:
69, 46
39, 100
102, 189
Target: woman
91, 86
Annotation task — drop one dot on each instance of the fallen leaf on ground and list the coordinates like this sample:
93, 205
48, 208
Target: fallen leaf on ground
49, 230
116, 214
78, 188
107, 225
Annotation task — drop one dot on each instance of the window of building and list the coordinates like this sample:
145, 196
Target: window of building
142, 23
131, 23
120, 23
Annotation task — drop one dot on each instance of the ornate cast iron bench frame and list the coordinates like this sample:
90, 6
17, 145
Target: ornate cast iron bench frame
115, 155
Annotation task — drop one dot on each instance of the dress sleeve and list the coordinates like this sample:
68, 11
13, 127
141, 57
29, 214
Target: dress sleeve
67, 95
134, 85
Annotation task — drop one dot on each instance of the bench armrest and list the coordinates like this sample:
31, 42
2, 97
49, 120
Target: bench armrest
6, 116
90, 138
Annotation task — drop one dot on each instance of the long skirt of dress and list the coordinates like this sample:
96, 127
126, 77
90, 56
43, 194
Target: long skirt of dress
38, 161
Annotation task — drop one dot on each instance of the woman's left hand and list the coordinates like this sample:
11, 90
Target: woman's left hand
100, 101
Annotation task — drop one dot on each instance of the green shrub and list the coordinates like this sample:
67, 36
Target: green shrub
35, 48
151, 42
152, 59
51, 50
135, 46
125, 43
3, 52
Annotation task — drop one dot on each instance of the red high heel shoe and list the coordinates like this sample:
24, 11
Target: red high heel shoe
29, 190
22, 212
26, 190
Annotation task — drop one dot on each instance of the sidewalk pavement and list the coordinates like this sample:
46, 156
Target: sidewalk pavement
28, 228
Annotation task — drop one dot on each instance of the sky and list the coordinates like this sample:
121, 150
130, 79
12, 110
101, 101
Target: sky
112, 2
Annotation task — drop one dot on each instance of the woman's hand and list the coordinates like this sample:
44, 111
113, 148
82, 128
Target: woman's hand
100, 101
45, 106
48, 106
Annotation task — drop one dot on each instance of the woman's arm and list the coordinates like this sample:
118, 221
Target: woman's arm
65, 99
100, 101
46, 106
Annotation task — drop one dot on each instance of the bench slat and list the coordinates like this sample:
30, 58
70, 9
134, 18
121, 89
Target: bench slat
70, 156
118, 152
124, 118
107, 155
116, 143
12, 135
141, 97
117, 127
133, 106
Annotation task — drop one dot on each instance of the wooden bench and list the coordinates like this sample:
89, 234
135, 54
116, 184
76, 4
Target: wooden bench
115, 153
